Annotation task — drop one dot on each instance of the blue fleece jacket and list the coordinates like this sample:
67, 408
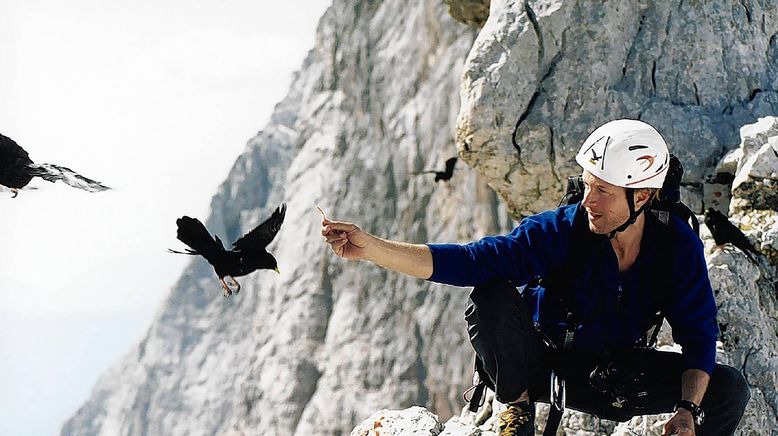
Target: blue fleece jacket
612, 309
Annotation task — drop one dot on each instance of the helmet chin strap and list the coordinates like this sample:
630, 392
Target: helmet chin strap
633, 215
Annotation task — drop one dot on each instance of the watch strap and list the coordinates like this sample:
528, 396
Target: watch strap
695, 410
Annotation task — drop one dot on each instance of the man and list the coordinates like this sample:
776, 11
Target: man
615, 269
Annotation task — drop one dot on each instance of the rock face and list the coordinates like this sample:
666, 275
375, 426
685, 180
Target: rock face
543, 74
324, 345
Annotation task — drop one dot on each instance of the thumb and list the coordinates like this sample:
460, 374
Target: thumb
340, 226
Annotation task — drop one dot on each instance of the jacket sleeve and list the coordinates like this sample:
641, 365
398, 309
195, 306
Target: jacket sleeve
691, 309
527, 252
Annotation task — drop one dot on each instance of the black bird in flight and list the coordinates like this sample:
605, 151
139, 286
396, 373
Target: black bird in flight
248, 253
724, 231
447, 173
17, 169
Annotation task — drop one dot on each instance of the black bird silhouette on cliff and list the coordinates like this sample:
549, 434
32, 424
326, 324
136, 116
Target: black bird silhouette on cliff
445, 174
724, 231
248, 253
17, 169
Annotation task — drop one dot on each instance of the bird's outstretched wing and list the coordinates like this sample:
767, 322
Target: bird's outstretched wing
264, 233
52, 173
188, 251
194, 234
450, 167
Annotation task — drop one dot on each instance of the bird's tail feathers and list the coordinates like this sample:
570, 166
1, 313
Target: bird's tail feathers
52, 173
194, 234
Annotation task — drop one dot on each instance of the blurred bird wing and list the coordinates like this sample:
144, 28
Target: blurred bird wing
263, 234
52, 173
450, 165
188, 251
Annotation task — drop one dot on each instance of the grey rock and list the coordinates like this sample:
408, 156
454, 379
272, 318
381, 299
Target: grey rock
409, 422
756, 181
324, 345
543, 74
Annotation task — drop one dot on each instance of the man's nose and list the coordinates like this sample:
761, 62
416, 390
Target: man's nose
588, 198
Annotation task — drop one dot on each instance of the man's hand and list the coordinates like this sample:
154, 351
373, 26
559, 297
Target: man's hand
350, 242
681, 424
346, 239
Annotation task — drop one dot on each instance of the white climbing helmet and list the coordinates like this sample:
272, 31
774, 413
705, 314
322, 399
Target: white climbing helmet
628, 153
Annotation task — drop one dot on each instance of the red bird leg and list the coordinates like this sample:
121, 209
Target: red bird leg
227, 291
231, 285
235, 283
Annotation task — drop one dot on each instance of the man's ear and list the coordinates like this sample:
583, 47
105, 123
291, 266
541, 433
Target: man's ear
642, 196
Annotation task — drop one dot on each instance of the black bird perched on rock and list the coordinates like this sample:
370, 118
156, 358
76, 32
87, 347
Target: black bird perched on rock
248, 253
447, 173
724, 231
17, 169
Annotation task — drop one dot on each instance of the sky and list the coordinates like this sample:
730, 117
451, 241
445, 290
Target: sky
155, 99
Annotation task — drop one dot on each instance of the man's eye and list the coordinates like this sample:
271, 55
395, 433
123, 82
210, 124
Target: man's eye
603, 191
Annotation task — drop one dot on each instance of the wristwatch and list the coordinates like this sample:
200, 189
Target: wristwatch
697, 412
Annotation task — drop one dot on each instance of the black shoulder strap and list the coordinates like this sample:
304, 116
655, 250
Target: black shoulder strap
560, 283
665, 247
669, 201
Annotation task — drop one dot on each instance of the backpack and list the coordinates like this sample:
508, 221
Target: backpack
666, 205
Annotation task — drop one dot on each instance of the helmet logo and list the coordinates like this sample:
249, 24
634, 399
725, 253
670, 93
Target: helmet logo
646, 159
593, 160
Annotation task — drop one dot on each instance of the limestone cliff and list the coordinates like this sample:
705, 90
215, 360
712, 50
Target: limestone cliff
321, 347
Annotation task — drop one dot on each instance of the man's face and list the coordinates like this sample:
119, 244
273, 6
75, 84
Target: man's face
606, 205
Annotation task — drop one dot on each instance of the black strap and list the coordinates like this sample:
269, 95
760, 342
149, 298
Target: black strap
553, 420
479, 386
477, 400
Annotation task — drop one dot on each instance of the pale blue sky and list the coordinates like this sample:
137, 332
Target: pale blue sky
153, 98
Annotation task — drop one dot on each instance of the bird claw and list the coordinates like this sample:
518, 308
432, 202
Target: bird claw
226, 287
230, 285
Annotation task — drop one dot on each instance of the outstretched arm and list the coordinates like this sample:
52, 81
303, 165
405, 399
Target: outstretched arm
348, 241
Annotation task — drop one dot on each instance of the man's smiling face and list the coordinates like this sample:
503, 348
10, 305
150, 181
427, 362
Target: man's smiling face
606, 205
